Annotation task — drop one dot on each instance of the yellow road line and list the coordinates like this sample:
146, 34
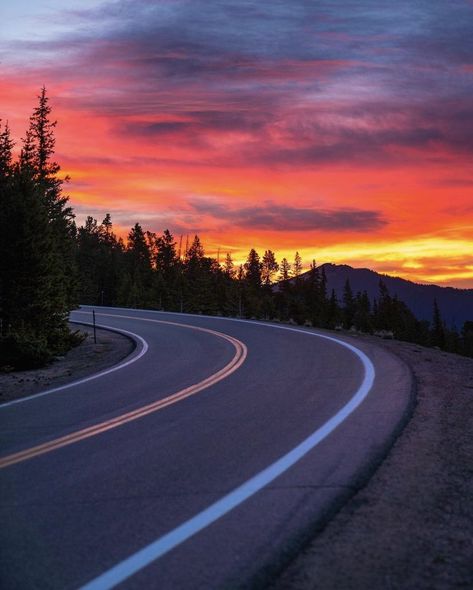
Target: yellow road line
239, 358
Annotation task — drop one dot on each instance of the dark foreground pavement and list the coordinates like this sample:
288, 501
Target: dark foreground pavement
71, 514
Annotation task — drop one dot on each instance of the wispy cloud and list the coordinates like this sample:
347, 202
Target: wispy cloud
161, 104
287, 218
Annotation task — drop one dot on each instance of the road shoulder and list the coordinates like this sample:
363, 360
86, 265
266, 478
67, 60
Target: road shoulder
84, 360
411, 526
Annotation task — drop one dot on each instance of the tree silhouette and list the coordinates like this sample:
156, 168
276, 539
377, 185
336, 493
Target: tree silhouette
6, 146
42, 248
349, 307
269, 267
297, 266
285, 270
438, 327
38, 287
229, 267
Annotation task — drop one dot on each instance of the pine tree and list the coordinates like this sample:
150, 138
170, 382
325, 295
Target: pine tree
31, 316
100, 262
311, 293
139, 269
152, 242
348, 305
384, 318
107, 225
438, 328
195, 253
285, 270
362, 317
138, 250
27, 154
37, 285
333, 314
112, 262
269, 267
6, 146
252, 284
37, 158
252, 268
166, 256
88, 260
168, 268
229, 288
37, 154
200, 276
297, 266
229, 267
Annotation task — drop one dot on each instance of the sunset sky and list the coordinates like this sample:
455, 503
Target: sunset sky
339, 128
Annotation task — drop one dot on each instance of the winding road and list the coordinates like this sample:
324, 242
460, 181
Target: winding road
203, 461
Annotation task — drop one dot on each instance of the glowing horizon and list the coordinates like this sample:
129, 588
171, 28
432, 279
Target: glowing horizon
341, 131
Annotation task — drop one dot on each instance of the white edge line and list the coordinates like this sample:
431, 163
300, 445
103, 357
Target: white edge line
136, 337
189, 528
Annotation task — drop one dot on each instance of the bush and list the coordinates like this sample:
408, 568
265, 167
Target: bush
62, 340
19, 352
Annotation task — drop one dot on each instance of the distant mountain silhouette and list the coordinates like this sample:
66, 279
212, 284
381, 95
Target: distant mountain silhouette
456, 305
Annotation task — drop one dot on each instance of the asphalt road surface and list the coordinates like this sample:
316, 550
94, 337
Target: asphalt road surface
204, 462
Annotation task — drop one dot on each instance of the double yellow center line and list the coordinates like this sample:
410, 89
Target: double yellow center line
238, 359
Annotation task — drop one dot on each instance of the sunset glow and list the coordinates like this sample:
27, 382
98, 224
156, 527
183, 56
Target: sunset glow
342, 130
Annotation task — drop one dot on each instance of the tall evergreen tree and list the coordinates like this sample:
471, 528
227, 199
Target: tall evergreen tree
195, 253
348, 306
100, 262
384, 319
297, 266
166, 255
334, 314
88, 259
252, 283
37, 286
6, 146
200, 279
311, 291
107, 225
252, 268
229, 267
285, 270
32, 321
438, 327
229, 288
37, 157
269, 267
168, 269
112, 256
137, 282
362, 318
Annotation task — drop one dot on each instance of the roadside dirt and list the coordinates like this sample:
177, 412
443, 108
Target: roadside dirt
411, 527
85, 359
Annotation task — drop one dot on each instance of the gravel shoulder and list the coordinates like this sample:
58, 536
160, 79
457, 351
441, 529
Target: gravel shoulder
411, 526
81, 361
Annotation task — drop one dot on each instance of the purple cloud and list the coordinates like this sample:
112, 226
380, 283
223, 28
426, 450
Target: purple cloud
291, 218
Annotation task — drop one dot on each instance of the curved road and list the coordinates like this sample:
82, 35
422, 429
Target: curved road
203, 462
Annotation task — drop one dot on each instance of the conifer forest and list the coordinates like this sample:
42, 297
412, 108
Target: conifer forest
49, 265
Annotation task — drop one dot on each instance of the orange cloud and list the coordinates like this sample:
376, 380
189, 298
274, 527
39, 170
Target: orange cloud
303, 137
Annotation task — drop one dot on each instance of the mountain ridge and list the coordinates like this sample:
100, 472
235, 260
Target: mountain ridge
455, 305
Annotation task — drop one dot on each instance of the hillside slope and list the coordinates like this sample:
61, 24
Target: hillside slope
456, 305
